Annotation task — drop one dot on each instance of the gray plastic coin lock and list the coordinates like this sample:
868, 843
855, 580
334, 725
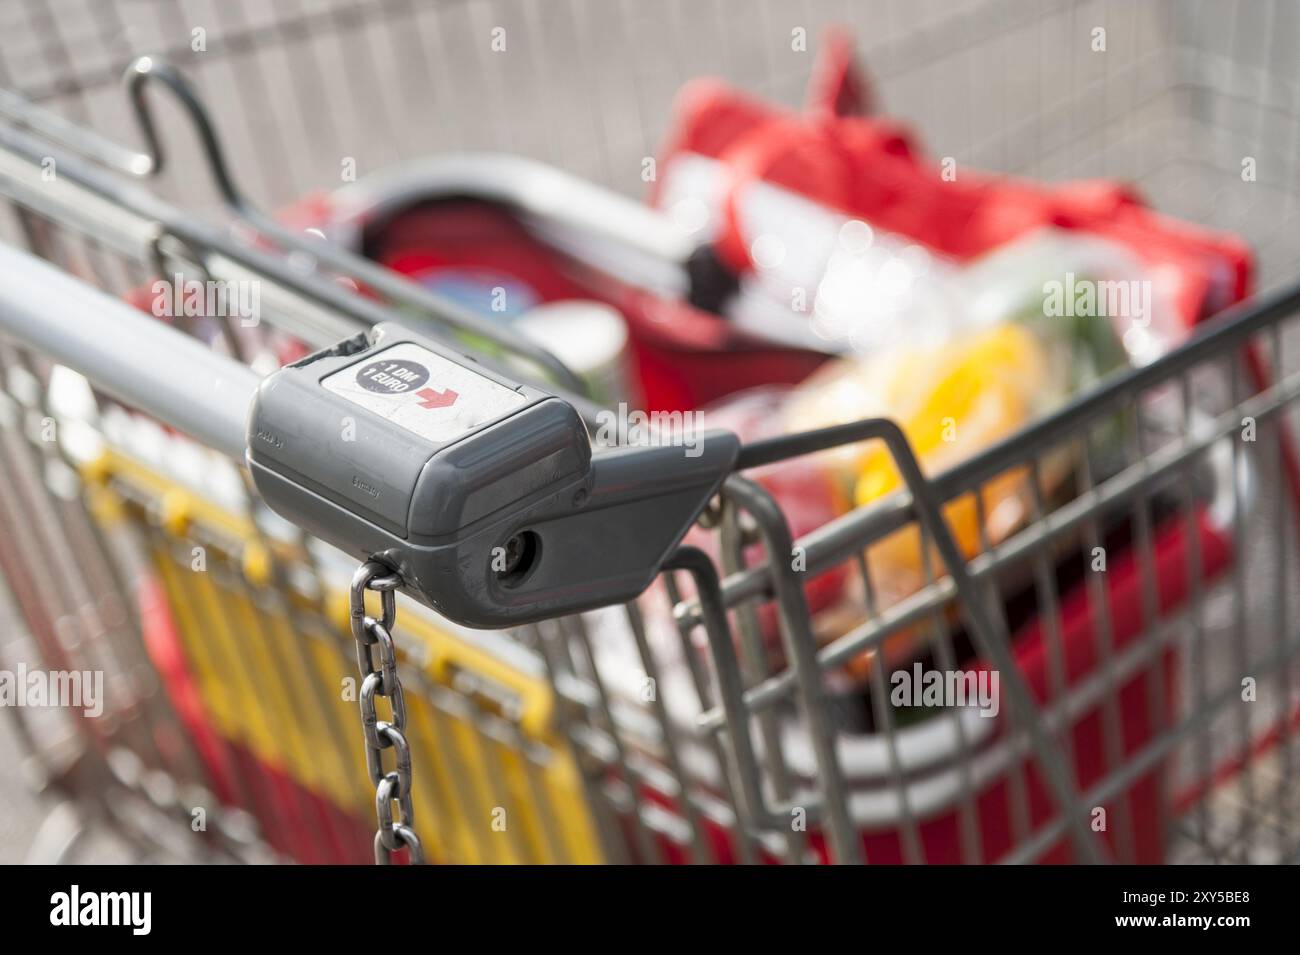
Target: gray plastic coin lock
482, 493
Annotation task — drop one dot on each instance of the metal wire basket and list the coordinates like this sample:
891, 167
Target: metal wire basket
625, 735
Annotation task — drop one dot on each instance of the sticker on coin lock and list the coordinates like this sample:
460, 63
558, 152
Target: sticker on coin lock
423, 392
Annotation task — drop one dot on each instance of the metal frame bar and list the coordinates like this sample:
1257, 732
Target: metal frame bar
132, 356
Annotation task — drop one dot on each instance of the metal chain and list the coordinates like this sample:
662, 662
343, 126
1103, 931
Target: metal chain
392, 786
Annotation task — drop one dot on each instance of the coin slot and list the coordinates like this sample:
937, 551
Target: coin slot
521, 555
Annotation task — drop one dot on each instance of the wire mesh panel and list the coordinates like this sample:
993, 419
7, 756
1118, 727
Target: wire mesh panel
1112, 585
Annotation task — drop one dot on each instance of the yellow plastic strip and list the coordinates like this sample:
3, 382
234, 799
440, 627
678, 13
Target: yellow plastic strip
258, 697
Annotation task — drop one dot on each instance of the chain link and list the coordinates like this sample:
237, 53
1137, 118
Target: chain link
391, 786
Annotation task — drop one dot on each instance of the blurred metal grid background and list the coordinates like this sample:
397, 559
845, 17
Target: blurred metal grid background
1184, 90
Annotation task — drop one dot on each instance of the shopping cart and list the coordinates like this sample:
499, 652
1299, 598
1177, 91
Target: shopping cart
1149, 707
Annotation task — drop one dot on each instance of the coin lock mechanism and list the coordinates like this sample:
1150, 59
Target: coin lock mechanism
483, 493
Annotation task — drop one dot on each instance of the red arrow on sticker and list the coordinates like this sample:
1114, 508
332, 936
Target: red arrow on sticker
436, 399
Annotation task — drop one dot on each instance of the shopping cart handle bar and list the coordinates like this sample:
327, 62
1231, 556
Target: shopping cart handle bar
132, 356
